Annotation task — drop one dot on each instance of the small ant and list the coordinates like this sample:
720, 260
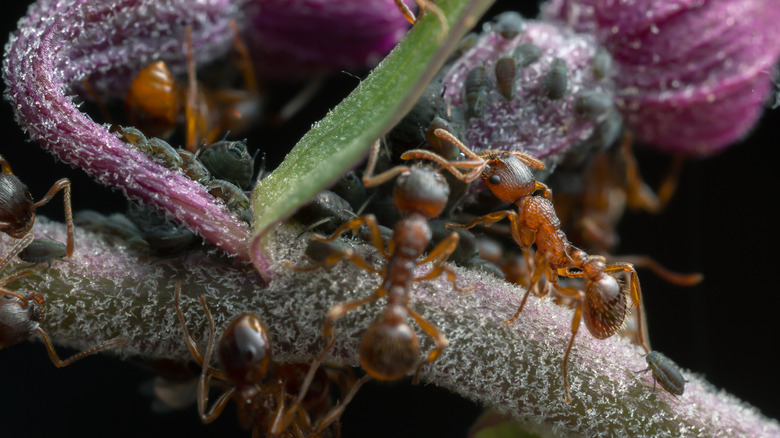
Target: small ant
390, 349
603, 303
17, 208
155, 101
21, 315
244, 353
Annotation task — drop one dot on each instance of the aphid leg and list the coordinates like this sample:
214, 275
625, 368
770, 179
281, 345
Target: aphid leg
433, 332
64, 185
63, 363
341, 309
205, 377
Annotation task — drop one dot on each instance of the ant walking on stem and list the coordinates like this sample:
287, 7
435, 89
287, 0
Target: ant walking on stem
244, 353
390, 349
602, 303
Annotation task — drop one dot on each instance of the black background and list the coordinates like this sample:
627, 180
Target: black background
719, 223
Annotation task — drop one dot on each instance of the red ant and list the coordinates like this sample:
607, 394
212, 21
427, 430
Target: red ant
17, 208
244, 353
390, 349
155, 101
21, 315
603, 303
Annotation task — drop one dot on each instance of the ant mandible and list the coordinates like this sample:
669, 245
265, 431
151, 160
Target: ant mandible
17, 207
244, 353
602, 304
390, 349
21, 315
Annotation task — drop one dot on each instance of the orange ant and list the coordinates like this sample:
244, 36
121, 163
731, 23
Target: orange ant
17, 208
603, 303
155, 101
390, 349
244, 353
21, 315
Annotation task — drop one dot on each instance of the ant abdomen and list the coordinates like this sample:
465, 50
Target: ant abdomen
19, 319
605, 307
245, 350
389, 350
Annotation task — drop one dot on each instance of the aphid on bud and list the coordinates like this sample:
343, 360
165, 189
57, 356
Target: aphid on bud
601, 64
557, 80
476, 88
506, 76
230, 161
527, 53
592, 105
466, 44
509, 24
605, 133
665, 372
234, 198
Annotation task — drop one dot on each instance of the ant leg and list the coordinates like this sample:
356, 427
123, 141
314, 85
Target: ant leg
63, 363
15, 250
575, 326
438, 337
191, 344
424, 5
22, 298
245, 62
541, 266
371, 180
354, 225
638, 194
5, 165
487, 220
546, 192
334, 414
636, 296
451, 166
640, 261
341, 309
64, 185
203, 384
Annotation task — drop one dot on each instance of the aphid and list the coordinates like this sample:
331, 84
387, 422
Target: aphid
193, 168
603, 302
234, 198
351, 189
601, 64
21, 315
665, 372
390, 349
17, 208
245, 358
154, 147
506, 76
163, 236
229, 161
592, 105
509, 24
464, 45
325, 211
556, 82
476, 89
527, 53
155, 101
43, 251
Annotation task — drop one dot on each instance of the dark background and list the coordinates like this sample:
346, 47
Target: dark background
720, 223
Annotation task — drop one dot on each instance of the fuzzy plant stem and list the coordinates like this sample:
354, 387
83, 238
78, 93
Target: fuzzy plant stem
105, 290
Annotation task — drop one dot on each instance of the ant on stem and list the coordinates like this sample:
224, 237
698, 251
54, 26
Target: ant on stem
21, 315
17, 208
390, 349
603, 301
244, 353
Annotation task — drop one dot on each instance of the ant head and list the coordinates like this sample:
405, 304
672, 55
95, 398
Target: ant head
508, 177
421, 190
389, 349
605, 307
245, 350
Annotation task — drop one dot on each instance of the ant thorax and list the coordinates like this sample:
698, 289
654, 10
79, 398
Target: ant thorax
17, 320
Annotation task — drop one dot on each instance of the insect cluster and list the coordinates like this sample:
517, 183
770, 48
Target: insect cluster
524, 83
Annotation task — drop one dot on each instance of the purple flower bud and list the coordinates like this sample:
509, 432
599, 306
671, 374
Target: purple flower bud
532, 107
692, 76
294, 38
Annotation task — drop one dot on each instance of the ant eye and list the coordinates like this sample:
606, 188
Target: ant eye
495, 179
